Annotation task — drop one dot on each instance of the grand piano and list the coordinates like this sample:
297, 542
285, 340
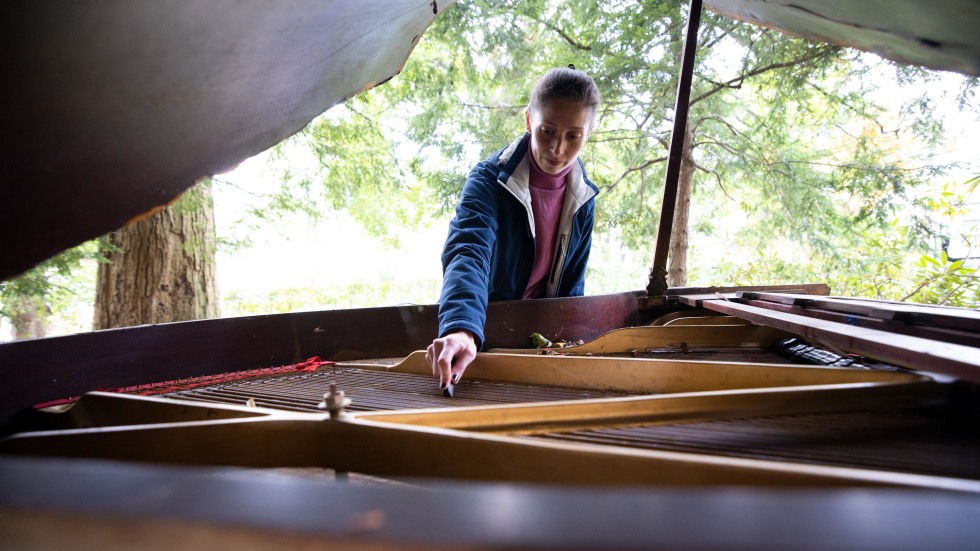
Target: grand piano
767, 417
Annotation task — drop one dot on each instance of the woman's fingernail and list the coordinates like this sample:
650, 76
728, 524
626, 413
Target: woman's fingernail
456, 378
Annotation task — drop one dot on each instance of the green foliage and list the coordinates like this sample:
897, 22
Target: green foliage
194, 199
352, 164
893, 261
353, 295
54, 288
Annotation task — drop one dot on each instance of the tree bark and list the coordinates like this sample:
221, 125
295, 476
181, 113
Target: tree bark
164, 268
677, 252
31, 318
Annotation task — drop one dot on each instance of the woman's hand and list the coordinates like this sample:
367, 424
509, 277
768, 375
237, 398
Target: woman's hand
450, 355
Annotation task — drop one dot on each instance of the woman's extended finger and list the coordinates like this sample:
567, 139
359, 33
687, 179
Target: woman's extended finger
444, 365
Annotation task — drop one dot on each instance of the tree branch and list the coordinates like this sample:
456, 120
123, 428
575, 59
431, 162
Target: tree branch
634, 169
593, 139
659, 138
717, 39
493, 107
716, 118
722, 145
916, 290
881, 127
717, 177
737, 81
225, 182
662, 140
565, 36
844, 165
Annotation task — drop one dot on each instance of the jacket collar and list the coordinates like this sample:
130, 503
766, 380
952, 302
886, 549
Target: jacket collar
515, 173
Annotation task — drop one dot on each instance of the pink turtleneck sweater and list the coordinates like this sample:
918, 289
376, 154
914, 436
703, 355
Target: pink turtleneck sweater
547, 198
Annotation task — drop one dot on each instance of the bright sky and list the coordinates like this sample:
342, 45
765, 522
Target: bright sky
297, 254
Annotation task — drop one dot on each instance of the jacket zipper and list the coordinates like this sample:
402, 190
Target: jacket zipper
559, 256
530, 213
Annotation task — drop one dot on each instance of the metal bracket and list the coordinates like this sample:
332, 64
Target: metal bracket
334, 402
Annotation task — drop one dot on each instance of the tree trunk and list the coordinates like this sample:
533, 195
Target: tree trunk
677, 253
677, 250
164, 267
31, 318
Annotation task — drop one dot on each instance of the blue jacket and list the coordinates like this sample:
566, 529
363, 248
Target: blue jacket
490, 249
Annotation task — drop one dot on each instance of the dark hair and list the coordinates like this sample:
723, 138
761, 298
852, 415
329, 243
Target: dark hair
566, 83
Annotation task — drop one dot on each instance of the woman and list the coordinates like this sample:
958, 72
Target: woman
523, 226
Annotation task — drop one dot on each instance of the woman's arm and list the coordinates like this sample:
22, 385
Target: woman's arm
466, 275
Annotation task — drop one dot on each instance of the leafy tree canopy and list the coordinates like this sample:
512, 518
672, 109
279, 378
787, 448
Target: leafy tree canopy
62, 285
799, 154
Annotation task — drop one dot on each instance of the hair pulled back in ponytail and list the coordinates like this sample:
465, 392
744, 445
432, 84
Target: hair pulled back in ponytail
566, 83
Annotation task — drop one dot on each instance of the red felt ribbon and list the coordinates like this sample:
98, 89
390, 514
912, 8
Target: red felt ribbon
166, 387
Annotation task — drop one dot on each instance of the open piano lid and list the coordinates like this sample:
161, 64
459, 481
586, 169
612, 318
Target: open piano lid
112, 108
940, 34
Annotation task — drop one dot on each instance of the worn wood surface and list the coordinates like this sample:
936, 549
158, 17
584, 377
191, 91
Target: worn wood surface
648, 337
696, 300
966, 338
965, 319
222, 508
902, 350
645, 375
798, 288
704, 321
684, 313
600, 413
371, 447
668, 300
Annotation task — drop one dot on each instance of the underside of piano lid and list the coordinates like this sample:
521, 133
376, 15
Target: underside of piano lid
939, 35
114, 108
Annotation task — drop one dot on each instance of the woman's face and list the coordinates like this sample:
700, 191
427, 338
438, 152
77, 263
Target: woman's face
558, 131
